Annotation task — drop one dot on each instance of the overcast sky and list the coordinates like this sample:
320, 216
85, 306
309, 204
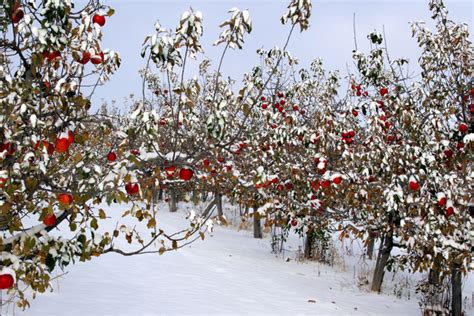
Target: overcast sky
330, 35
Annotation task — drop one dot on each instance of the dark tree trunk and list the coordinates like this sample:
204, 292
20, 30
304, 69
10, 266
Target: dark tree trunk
257, 227
218, 198
433, 277
160, 195
370, 248
456, 294
308, 244
386, 246
173, 206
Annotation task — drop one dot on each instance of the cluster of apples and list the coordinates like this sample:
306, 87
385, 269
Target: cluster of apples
65, 199
280, 105
358, 90
51, 56
443, 202
326, 183
321, 165
347, 137
95, 58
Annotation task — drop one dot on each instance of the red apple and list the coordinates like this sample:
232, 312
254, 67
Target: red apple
6, 281
206, 162
65, 198
414, 185
70, 137
263, 99
97, 59
50, 220
355, 113
337, 180
264, 106
442, 201
111, 156
281, 94
86, 56
51, 56
132, 188
294, 222
383, 91
17, 16
463, 128
99, 19
62, 145
448, 153
185, 174
295, 108
2, 182
450, 211
325, 183
170, 170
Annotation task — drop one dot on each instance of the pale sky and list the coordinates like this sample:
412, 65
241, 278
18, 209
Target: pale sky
330, 35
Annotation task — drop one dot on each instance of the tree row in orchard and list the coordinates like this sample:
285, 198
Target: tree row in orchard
381, 155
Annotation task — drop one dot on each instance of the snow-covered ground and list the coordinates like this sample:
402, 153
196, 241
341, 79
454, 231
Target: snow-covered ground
228, 273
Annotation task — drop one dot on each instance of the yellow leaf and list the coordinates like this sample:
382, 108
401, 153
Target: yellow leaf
151, 223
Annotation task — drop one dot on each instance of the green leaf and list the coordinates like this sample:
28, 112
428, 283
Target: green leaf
94, 224
50, 262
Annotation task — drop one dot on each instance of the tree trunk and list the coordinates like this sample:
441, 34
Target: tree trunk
154, 199
195, 197
218, 198
173, 206
433, 277
456, 294
160, 195
386, 246
308, 244
257, 227
370, 248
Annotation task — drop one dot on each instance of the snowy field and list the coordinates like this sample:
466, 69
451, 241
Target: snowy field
229, 273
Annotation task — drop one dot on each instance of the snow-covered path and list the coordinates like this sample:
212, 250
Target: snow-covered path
228, 273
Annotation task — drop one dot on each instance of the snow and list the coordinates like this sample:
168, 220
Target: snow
229, 272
